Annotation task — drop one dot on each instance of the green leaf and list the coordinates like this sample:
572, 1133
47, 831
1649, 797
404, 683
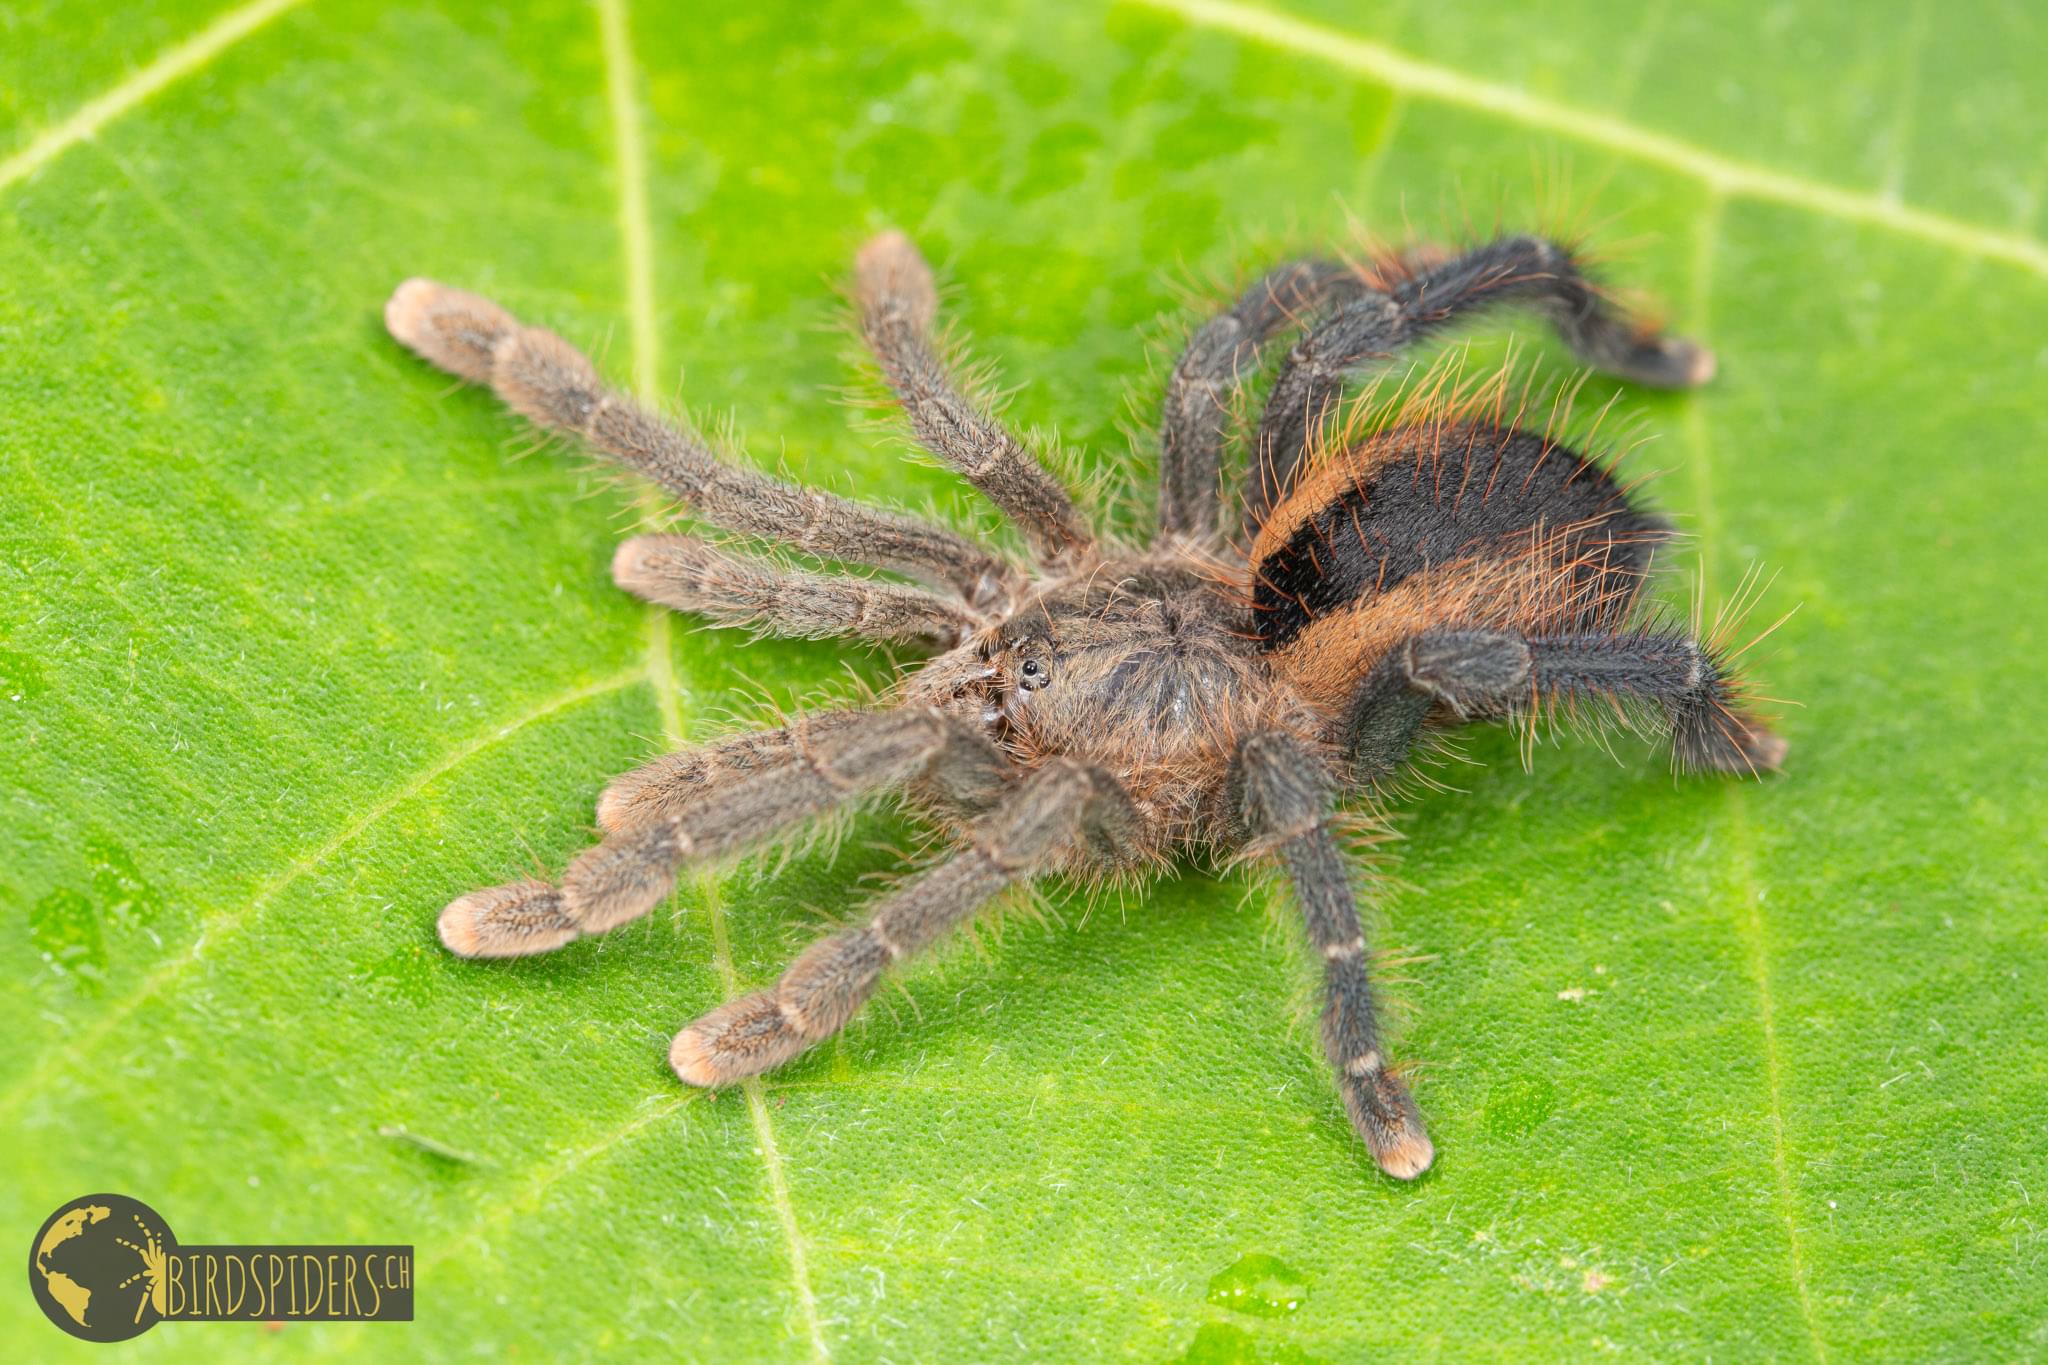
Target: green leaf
292, 651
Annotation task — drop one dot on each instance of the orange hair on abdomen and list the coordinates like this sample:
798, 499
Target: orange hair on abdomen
1439, 524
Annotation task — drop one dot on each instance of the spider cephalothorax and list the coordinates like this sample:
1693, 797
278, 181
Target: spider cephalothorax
1115, 707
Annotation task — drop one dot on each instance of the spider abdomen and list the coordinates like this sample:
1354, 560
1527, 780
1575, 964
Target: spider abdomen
1440, 524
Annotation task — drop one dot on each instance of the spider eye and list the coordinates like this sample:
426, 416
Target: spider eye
1034, 674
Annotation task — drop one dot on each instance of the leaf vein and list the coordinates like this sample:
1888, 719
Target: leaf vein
213, 928
636, 238
174, 63
1722, 174
1749, 925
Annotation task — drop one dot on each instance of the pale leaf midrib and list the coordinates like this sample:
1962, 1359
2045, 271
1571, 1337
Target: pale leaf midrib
1404, 73
1723, 175
214, 928
636, 239
174, 63
1748, 917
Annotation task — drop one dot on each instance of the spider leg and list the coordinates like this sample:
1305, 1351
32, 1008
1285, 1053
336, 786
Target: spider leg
1525, 270
1284, 803
552, 384
1219, 357
1056, 805
668, 788
736, 590
897, 301
1486, 674
659, 822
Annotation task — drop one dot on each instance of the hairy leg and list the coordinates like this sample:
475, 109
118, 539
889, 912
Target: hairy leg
821, 990
893, 287
668, 787
1485, 674
1514, 270
1218, 358
655, 826
737, 590
1284, 802
551, 383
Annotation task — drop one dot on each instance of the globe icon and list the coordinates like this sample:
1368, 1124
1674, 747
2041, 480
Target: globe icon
97, 1267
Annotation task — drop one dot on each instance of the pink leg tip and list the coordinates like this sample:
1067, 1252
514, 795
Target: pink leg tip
1407, 1156
1702, 368
406, 312
506, 921
691, 1059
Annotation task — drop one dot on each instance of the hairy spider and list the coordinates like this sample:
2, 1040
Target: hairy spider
1115, 707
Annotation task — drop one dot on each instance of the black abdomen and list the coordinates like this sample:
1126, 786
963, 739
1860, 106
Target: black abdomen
1418, 498
1444, 524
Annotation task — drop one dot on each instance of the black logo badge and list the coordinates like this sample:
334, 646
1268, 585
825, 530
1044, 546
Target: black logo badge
106, 1268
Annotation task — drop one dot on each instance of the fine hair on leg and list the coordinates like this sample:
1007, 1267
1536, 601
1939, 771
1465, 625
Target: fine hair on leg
665, 788
821, 990
1513, 270
687, 574
897, 300
653, 833
1194, 421
1284, 803
1474, 674
554, 385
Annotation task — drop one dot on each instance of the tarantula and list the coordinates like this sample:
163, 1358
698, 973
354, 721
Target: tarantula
1218, 690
